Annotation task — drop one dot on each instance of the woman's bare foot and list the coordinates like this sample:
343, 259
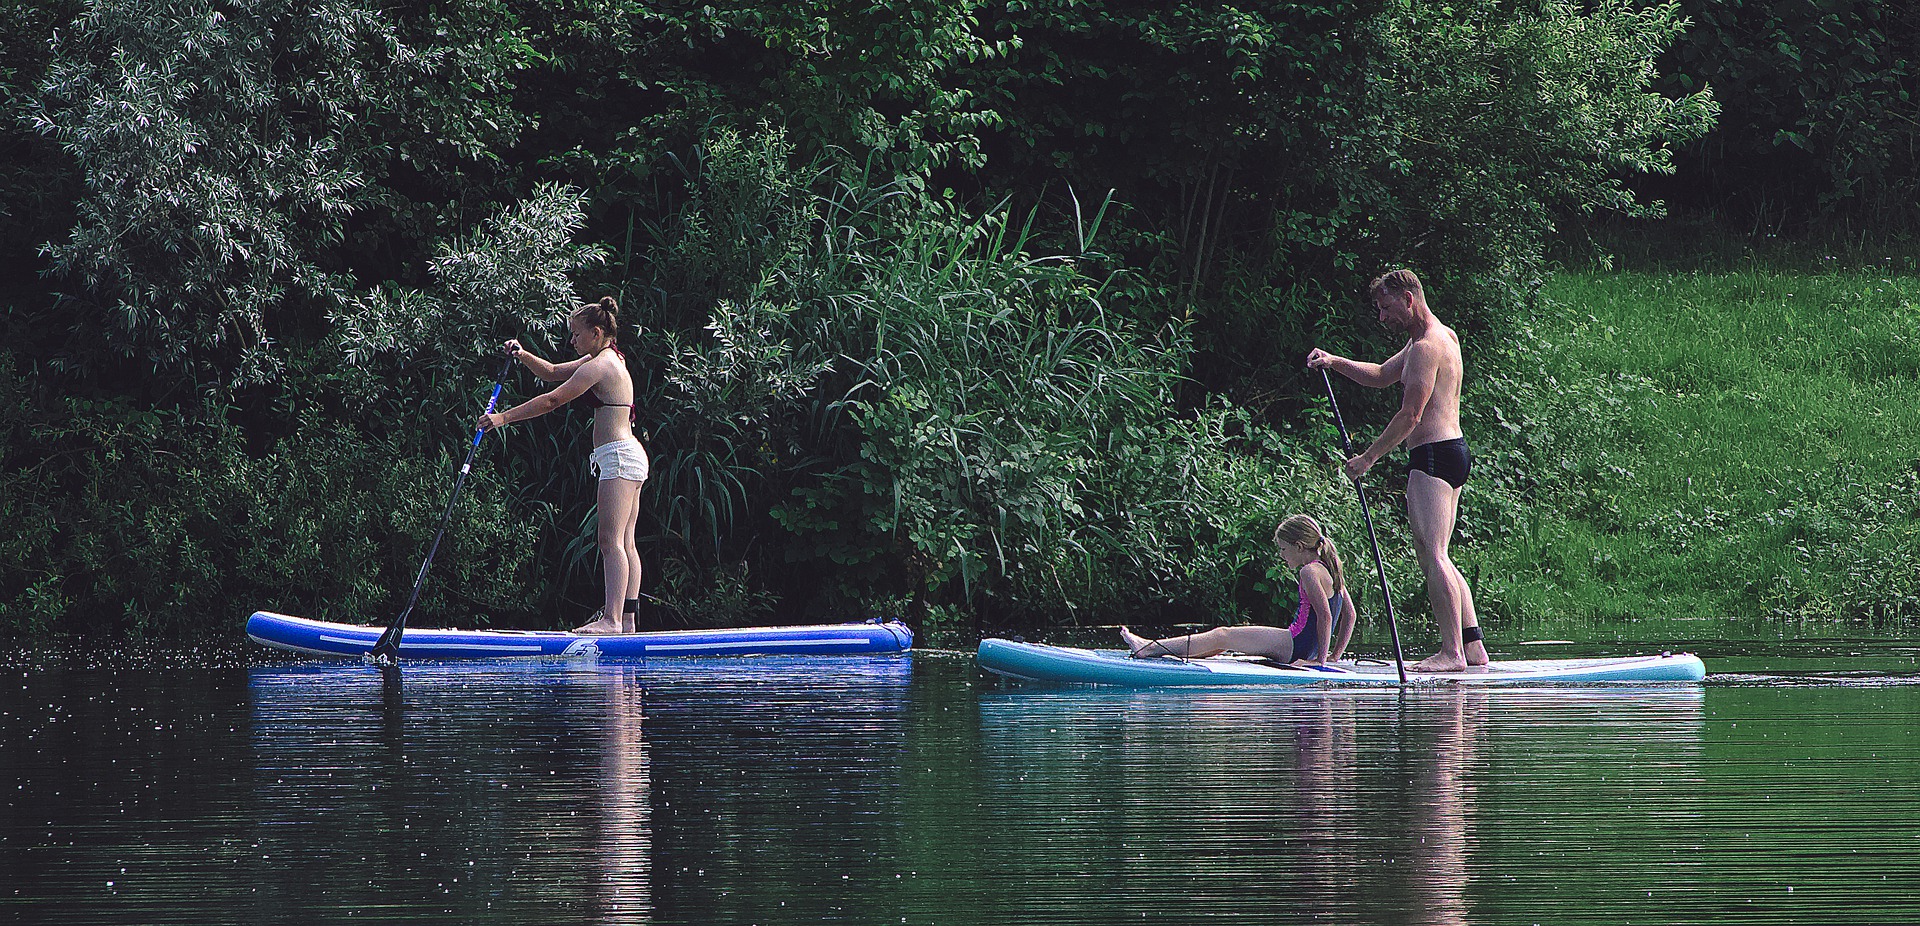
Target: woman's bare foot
600, 625
1441, 662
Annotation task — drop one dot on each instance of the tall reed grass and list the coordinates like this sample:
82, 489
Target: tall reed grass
899, 404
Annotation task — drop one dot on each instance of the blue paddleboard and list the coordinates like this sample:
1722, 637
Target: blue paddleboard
324, 638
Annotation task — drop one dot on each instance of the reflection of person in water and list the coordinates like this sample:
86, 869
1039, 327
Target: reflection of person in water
625, 799
1443, 806
1420, 873
1326, 765
1312, 639
1410, 805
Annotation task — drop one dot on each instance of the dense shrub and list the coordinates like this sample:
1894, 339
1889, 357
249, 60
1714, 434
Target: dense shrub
149, 523
906, 402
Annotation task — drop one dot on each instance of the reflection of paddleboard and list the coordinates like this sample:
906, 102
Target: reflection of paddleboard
1041, 663
323, 638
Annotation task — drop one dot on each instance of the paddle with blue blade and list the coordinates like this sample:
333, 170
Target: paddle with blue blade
1346, 441
387, 651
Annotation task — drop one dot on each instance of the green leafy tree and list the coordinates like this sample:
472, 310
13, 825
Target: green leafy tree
1501, 122
1822, 111
224, 154
37, 186
1270, 158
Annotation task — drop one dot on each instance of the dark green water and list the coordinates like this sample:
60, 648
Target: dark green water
915, 790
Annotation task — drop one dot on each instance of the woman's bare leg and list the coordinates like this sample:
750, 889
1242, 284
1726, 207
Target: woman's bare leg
633, 557
618, 506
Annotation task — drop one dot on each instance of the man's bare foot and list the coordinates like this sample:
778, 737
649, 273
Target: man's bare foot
1476, 650
1441, 662
601, 624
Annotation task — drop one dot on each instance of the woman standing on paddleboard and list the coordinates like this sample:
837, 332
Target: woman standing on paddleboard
1311, 639
600, 381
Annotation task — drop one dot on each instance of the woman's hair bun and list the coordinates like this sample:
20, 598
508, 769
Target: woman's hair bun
601, 315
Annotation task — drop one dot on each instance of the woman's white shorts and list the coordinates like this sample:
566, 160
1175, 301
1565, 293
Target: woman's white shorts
621, 459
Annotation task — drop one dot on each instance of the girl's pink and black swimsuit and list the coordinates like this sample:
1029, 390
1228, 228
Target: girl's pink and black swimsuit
1305, 628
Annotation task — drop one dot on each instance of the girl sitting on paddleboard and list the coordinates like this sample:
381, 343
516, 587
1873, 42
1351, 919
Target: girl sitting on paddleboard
1311, 640
600, 381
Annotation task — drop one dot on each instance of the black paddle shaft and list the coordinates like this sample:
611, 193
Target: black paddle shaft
387, 651
1393, 626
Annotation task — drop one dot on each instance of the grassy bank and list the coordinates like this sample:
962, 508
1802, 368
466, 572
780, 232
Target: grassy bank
1732, 451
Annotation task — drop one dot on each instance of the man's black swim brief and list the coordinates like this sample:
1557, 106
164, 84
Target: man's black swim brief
1446, 459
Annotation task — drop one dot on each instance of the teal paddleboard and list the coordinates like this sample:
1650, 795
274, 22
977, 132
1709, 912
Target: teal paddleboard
1038, 662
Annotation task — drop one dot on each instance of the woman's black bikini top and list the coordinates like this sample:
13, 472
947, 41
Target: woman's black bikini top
589, 401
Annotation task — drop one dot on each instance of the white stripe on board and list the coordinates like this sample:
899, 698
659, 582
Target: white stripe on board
475, 647
291, 647
836, 641
574, 647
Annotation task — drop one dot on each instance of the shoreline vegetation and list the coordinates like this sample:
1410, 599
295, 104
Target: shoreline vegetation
1731, 445
985, 315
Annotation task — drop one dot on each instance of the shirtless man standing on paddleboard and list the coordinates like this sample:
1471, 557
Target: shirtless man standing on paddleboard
1428, 370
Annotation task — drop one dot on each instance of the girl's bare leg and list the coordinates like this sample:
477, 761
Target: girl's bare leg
1271, 642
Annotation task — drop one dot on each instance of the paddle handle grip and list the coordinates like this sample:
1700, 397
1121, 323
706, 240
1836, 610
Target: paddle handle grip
506, 366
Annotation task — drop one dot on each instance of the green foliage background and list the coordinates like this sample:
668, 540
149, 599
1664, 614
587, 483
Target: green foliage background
986, 313
1821, 127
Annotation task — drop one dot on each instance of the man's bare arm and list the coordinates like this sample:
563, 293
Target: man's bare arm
1419, 367
1371, 375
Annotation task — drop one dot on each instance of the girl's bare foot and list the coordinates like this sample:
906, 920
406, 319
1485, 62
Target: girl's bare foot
1135, 642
